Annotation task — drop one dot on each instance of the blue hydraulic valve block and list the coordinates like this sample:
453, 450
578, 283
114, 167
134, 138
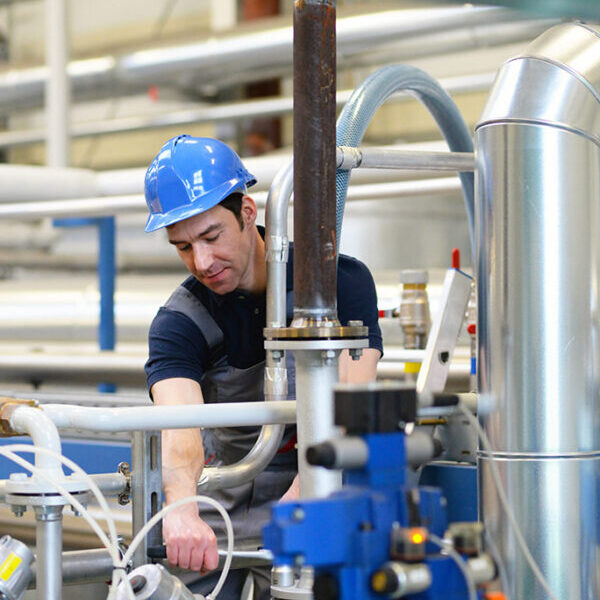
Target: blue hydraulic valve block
369, 540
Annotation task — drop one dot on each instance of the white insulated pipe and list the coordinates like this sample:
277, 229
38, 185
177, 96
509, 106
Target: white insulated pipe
152, 418
242, 57
225, 112
44, 434
58, 85
82, 192
105, 206
22, 183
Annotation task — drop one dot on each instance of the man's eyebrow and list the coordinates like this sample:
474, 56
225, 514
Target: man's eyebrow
203, 233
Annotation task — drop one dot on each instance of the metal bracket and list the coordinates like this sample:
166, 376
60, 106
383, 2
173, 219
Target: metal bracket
125, 496
444, 332
348, 157
146, 488
277, 248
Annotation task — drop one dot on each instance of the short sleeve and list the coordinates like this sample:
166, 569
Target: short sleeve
357, 298
176, 348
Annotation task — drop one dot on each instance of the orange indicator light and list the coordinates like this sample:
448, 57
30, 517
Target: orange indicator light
417, 537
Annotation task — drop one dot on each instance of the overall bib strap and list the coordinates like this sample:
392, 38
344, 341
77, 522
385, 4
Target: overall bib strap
185, 302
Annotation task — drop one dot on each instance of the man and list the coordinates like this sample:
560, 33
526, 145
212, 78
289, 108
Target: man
206, 343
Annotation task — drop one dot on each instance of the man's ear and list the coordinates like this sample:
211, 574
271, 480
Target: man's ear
249, 211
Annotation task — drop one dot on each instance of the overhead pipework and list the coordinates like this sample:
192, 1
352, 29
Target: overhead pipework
538, 271
249, 56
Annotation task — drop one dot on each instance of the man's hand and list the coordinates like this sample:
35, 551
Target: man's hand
191, 543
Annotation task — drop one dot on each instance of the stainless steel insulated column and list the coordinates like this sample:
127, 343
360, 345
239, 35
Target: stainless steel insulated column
538, 268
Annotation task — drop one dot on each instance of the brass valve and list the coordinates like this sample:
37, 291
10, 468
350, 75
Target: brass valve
7, 406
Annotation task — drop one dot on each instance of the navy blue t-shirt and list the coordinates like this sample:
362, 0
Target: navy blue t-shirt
178, 349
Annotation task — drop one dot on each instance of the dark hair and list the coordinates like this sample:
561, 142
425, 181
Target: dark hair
233, 202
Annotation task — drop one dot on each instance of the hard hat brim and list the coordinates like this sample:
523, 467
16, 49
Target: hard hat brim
159, 220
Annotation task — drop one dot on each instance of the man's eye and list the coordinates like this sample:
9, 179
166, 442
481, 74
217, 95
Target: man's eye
185, 248
212, 239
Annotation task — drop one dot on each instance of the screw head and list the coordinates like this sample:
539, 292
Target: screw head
355, 353
124, 469
298, 514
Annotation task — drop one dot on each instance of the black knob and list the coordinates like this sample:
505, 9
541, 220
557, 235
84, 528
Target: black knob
321, 455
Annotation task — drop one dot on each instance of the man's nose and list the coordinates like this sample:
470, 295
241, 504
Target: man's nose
203, 258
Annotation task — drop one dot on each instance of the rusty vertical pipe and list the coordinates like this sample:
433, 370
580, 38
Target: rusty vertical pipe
315, 284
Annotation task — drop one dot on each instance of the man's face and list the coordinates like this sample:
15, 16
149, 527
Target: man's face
215, 248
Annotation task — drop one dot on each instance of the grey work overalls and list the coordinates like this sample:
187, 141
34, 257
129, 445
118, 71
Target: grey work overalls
247, 504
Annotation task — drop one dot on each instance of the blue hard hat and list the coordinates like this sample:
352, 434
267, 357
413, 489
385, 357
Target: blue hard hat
190, 175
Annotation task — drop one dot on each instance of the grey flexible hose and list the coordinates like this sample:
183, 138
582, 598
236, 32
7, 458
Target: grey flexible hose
371, 94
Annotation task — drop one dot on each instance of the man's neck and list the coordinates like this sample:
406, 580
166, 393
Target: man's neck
257, 267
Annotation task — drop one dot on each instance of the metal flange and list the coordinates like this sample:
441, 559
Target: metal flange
53, 499
34, 491
316, 344
318, 330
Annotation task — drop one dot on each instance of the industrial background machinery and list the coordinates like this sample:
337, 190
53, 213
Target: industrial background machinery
478, 476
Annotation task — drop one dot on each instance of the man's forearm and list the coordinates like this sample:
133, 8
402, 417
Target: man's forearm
183, 461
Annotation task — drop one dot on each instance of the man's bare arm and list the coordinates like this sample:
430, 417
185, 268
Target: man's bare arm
359, 371
191, 543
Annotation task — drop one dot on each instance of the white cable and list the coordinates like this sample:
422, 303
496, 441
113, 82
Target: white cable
42, 474
113, 548
458, 559
485, 442
159, 515
111, 545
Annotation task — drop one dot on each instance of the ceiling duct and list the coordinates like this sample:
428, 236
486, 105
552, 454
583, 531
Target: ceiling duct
242, 57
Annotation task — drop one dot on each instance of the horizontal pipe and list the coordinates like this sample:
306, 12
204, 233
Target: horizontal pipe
246, 56
96, 207
36, 367
23, 182
87, 566
129, 369
392, 158
233, 111
81, 566
110, 484
151, 418
81, 398
79, 207
121, 182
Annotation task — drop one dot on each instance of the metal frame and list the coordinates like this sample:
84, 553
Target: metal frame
146, 489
